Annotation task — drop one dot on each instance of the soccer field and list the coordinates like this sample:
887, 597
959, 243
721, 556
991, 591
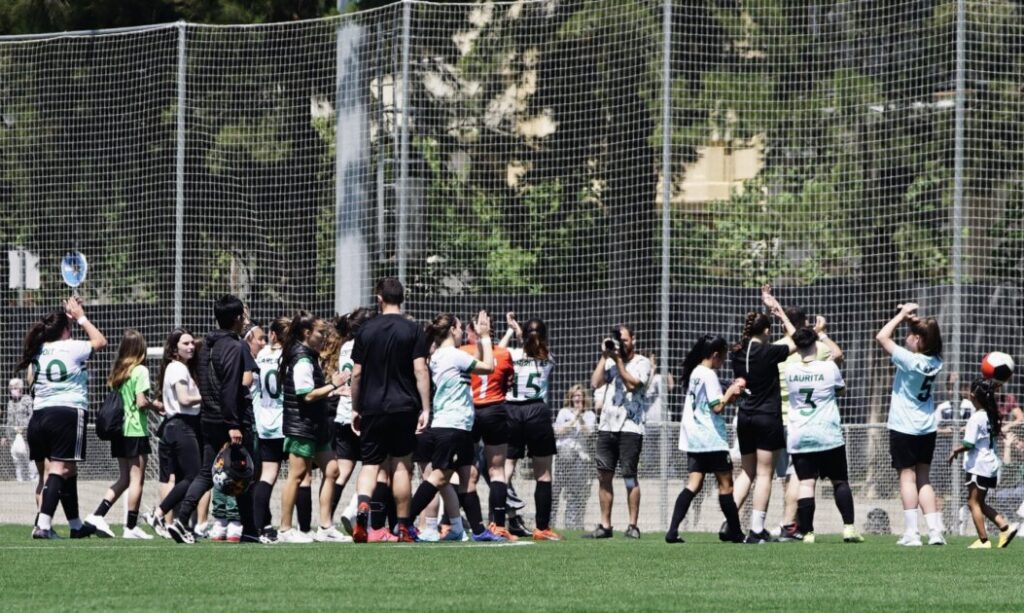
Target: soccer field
577, 575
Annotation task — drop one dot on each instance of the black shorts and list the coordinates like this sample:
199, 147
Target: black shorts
57, 433
129, 446
909, 450
491, 424
709, 462
446, 448
385, 435
982, 483
346, 443
530, 431
759, 431
619, 449
424, 446
271, 450
828, 464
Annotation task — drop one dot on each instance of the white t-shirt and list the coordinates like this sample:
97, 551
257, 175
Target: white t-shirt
61, 378
345, 364
625, 411
302, 377
175, 373
981, 459
913, 400
572, 442
702, 429
655, 391
269, 407
453, 399
531, 377
814, 423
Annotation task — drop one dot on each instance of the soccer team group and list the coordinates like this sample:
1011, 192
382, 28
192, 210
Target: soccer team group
377, 390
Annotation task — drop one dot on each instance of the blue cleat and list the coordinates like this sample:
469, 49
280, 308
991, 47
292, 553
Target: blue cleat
488, 537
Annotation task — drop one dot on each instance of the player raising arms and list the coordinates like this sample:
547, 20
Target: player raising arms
268, 416
702, 434
56, 431
815, 436
449, 442
529, 418
759, 427
306, 424
912, 422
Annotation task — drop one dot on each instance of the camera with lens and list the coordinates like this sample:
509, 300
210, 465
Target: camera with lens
612, 343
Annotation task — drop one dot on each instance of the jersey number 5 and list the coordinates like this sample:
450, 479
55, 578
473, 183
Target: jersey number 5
926, 389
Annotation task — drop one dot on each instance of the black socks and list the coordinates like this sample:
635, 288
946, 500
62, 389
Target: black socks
496, 501
805, 514
304, 508
844, 500
682, 506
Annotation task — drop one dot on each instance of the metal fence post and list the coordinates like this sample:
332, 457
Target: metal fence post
403, 174
955, 311
666, 235
179, 184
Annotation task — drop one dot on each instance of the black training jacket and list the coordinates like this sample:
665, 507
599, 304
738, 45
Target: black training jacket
219, 367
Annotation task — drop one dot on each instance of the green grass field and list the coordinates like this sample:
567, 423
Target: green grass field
576, 575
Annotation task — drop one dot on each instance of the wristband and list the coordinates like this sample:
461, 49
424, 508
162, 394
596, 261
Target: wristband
82, 320
333, 386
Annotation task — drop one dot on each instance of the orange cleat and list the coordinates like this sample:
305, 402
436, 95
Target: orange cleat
359, 534
502, 532
546, 535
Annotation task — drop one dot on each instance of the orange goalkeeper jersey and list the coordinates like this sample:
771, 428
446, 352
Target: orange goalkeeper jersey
491, 389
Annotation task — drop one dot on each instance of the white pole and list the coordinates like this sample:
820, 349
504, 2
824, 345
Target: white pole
666, 234
403, 176
955, 311
179, 184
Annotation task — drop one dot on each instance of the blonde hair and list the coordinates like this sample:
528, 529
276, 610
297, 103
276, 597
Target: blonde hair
130, 354
582, 390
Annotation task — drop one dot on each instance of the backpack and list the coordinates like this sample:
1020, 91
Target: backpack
110, 419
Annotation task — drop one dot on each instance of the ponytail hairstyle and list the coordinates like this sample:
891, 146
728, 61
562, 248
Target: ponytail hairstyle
279, 328
928, 329
171, 355
535, 342
130, 354
755, 323
439, 329
47, 330
355, 320
984, 392
804, 338
705, 347
332, 346
299, 323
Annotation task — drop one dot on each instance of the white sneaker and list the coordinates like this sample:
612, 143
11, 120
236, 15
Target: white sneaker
910, 539
102, 527
234, 533
202, 531
348, 516
331, 535
293, 536
217, 532
935, 538
136, 533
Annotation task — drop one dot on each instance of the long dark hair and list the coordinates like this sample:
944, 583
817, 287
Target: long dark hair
535, 343
171, 355
130, 354
439, 329
705, 347
928, 329
348, 324
279, 327
984, 391
754, 324
47, 330
300, 322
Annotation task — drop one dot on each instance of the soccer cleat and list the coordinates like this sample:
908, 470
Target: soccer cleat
851, 535
407, 534
84, 532
978, 544
218, 533
517, 527
673, 537
234, 532
512, 499
1007, 535
331, 535
202, 530
294, 536
180, 533
359, 532
454, 534
489, 537
757, 538
103, 530
935, 538
502, 532
268, 538
45, 534
429, 536
632, 532
600, 532
790, 533
808, 538
136, 534
910, 539
381, 535
546, 535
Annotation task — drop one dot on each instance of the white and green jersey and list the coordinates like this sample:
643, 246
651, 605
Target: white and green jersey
345, 365
702, 429
814, 423
61, 378
531, 377
453, 399
269, 399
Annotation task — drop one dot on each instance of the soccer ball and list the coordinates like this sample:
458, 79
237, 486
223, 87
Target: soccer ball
997, 365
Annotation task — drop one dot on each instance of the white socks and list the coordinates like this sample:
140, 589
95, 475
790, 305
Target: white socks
910, 521
44, 522
757, 521
934, 521
432, 523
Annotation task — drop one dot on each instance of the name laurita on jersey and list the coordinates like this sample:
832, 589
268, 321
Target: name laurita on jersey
525, 361
806, 378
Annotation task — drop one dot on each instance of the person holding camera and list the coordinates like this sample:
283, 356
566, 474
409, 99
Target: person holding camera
621, 429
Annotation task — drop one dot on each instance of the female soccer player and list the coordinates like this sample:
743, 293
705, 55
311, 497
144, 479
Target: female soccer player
56, 431
702, 434
759, 429
529, 419
268, 415
179, 439
981, 463
815, 436
130, 378
449, 443
912, 422
306, 424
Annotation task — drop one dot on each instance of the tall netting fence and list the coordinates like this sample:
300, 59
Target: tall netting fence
586, 162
